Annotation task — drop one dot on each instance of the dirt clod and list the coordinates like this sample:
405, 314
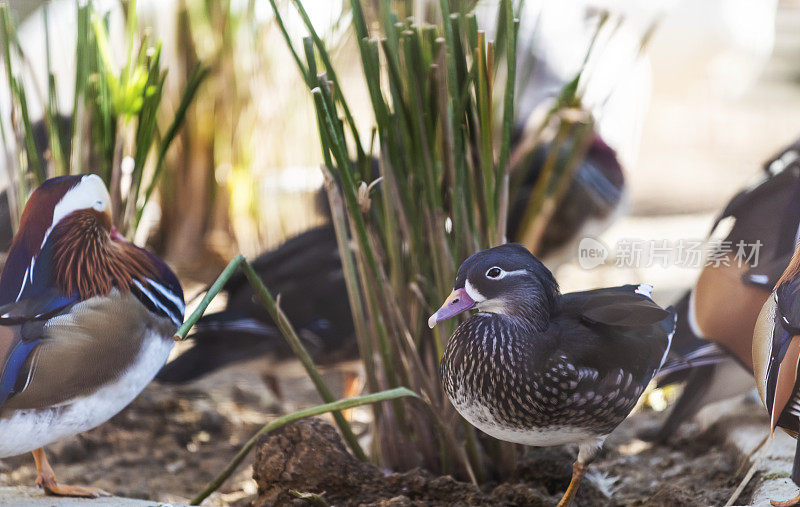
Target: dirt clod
309, 456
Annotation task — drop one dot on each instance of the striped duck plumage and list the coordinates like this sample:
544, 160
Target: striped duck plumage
776, 358
713, 340
541, 368
86, 321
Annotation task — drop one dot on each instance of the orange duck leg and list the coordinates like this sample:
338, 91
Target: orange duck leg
46, 479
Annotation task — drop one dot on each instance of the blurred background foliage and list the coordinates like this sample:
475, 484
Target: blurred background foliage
242, 174
232, 185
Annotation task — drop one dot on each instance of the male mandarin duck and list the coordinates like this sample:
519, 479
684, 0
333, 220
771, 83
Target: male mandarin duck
713, 340
541, 368
776, 357
86, 321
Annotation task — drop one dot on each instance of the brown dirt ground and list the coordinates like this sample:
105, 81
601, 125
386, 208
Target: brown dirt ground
173, 440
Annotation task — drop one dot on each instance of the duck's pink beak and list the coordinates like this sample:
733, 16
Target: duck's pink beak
115, 234
457, 302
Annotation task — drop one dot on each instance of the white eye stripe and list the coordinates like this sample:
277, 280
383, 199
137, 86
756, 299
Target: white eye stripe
517, 272
504, 273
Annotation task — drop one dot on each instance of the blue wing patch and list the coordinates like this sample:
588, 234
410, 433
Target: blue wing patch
13, 367
19, 314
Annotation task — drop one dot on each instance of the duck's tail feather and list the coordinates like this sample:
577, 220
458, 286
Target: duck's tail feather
688, 350
219, 340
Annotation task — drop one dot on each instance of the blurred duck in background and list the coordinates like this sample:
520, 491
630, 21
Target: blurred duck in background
776, 358
306, 271
713, 341
307, 274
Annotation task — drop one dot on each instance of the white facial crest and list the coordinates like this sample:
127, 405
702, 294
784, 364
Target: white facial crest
89, 193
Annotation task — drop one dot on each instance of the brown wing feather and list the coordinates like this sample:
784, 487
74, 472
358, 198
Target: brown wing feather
84, 350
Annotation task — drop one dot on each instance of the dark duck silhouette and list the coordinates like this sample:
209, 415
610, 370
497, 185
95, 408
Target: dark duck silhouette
592, 201
776, 358
86, 321
541, 368
307, 274
712, 346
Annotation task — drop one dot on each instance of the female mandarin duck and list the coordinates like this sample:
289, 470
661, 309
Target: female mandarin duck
776, 356
541, 368
86, 321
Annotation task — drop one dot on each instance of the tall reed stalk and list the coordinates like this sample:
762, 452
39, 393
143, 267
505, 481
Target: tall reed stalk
435, 190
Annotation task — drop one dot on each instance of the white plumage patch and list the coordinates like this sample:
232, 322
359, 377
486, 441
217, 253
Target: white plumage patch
607, 484
91, 192
669, 341
473, 293
644, 289
691, 317
481, 417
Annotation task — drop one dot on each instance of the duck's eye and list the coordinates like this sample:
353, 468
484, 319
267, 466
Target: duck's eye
494, 272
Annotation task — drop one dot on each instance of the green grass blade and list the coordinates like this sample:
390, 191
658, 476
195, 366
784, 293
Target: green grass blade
501, 191
280, 319
329, 69
212, 292
199, 74
282, 27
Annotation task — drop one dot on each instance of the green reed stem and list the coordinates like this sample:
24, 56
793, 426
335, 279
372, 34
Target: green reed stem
215, 289
280, 319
